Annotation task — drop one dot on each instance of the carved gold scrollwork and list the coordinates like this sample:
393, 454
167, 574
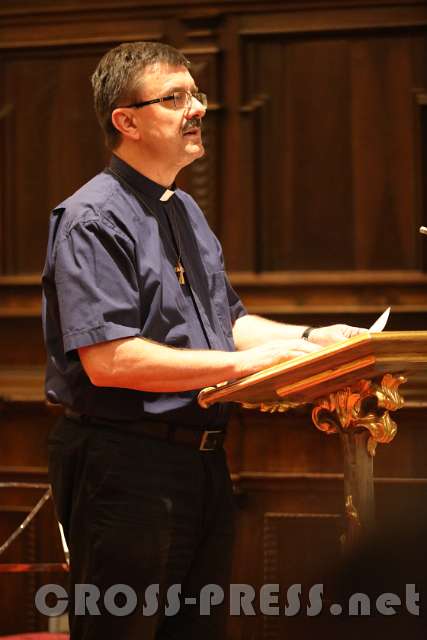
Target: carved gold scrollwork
388, 394
270, 407
351, 511
367, 406
354, 524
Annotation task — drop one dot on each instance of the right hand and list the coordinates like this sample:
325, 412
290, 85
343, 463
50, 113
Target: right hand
273, 352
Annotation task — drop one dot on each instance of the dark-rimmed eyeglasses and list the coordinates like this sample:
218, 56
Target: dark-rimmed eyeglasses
178, 100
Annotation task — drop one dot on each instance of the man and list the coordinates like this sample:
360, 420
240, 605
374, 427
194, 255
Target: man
138, 316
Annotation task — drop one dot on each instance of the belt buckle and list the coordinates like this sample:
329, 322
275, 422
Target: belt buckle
210, 440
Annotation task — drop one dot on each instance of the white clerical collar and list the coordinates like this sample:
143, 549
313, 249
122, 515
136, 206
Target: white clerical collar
166, 195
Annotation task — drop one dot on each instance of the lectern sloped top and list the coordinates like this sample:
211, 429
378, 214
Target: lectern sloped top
304, 379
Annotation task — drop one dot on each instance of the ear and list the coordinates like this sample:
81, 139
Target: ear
124, 120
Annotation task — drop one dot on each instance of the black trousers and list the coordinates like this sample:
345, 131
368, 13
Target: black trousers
142, 512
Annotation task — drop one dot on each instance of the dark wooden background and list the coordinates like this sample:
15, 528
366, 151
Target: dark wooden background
315, 181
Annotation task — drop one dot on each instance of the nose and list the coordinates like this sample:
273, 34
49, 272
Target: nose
195, 109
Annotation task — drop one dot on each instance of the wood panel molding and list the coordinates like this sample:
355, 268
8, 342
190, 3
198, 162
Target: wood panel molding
15, 473
45, 7
67, 23
22, 384
335, 185
20, 296
262, 480
103, 28
202, 178
25, 384
332, 291
344, 18
275, 292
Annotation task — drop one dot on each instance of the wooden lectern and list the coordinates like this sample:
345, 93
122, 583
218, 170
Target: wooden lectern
353, 385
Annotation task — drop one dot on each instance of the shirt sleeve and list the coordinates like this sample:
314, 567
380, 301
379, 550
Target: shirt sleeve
237, 309
97, 285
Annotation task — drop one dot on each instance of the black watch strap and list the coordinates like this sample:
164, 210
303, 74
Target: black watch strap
306, 333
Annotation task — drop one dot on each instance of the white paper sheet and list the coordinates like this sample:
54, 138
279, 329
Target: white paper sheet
380, 322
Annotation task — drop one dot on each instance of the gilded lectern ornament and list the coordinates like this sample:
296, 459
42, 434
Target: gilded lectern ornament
365, 405
279, 406
352, 387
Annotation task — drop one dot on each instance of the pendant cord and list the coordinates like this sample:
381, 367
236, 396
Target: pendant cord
179, 270
176, 239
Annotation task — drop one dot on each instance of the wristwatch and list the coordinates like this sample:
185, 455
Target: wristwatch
306, 333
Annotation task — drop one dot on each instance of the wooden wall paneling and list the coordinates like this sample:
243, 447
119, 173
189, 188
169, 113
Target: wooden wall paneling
400, 498
398, 147
262, 146
55, 140
422, 130
281, 223
5, 108
18, 612
47, 547
419, 84
20, 296
314, 494
339, 17
285, 517
280, 532
289, 443
299, 549
359, 292
202, 179
79, 26
383, 154
8, 163
15, 588
2, 179
237, 228
419, 59
21, 342
321, 183
40, 542
9, 7
303, 505
25, 425
403, 148
320, 86
285, 443
404, 457
249, 200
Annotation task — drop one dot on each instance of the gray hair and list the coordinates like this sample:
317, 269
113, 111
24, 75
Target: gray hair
119, 74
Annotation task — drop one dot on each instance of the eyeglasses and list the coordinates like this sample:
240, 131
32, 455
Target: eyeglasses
178, 100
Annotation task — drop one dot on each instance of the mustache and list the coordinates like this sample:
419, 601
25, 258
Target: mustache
190, 124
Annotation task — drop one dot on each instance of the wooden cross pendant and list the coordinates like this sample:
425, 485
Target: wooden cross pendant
179, 270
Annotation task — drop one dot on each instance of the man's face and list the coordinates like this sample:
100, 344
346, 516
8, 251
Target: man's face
169, 135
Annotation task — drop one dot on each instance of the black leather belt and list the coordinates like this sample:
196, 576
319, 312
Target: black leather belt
204, 440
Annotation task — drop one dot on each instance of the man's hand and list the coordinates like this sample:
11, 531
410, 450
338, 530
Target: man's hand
273, 352
252, 331
334, 333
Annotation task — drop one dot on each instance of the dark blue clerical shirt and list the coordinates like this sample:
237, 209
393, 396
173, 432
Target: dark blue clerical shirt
110, 273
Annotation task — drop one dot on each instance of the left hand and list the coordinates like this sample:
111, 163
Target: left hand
334, 333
